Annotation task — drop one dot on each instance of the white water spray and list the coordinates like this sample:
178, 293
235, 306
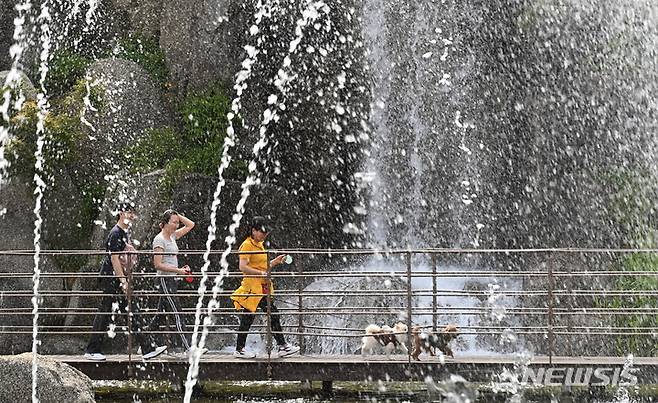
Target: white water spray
87, 106
263, 10
42, 100
91, 13
14, 76
283, 78
269, 115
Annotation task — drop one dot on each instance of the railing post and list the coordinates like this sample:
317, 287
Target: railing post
434, 296
269, 317
300, 317
129, 294
409, 310
551, 302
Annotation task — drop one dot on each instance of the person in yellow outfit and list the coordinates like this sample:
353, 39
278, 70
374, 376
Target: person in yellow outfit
250, 295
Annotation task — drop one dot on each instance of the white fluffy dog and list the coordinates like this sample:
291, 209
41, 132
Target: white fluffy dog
384, 339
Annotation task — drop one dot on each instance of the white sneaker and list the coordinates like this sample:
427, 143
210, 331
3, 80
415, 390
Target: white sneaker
243, 354
287, 349
154, 353
95, 356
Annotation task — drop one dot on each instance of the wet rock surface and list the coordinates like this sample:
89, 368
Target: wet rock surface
132, 102
213, 33
6, 33
29, 92
56, 382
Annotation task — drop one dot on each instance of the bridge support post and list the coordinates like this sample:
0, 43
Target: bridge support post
327, 387
434, 296
129, 295
269, 318
409, 312
300, 317
551, 305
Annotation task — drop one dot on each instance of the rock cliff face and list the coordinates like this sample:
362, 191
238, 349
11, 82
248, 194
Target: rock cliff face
25, 85
6, 33
211, 50
16, 284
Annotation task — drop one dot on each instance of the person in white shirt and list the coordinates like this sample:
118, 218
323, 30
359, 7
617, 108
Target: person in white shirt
169, 272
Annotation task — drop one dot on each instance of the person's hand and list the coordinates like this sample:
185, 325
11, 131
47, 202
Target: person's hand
184, 270
278, 260
124, 285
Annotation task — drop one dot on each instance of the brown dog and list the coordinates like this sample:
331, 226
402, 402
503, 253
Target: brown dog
430, 342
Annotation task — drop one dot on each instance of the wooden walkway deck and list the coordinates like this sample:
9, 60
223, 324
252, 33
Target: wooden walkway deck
339, 368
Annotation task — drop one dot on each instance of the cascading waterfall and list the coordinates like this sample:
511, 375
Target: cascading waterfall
416, 146
380, 70
412, 197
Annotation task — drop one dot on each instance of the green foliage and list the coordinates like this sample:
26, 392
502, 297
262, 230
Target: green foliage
146, 52
154, 151
196, 149
630, 204
204, 117
73, 101
61, 134
65, 70
640, 345
66, 67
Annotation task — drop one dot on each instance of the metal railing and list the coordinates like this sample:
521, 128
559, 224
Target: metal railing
296, 296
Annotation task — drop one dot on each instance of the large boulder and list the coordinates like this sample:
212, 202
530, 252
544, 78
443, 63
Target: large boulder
128, 103
56, 382
132, 101
201, 41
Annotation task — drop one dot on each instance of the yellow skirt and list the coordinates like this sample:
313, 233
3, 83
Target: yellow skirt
248, 296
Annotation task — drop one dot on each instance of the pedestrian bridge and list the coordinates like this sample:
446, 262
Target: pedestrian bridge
579, 310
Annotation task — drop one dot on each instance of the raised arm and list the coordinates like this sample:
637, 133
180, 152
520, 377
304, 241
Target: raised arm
187, 226
248, 270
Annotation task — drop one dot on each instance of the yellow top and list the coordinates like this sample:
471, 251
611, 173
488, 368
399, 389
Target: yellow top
256, 260
251, 285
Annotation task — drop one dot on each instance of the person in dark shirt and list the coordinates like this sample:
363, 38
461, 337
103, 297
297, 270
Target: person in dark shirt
114, 285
